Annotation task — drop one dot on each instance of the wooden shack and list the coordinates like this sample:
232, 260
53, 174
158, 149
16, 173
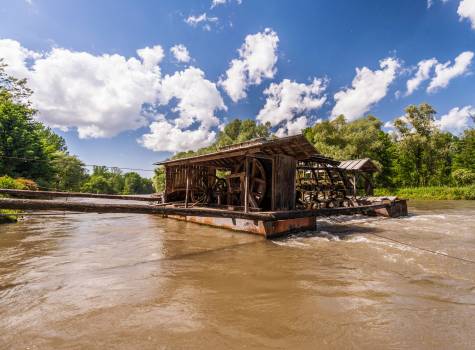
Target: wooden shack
258, 175
360, 175
264, 186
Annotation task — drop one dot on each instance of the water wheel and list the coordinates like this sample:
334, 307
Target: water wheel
199, 195
257, 182
219, 190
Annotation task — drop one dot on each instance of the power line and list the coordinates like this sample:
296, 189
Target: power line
87, 165
424, 249
410, 245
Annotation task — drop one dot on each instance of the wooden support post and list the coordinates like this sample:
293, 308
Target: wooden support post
246, 185
187, 186
354, 185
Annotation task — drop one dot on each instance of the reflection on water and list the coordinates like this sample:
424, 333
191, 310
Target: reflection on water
136, 281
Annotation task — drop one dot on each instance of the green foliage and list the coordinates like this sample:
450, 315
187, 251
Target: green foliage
11, 183
430, 193
159, 179
134, 184
21, 138
7, 215
463, 176
69, 172
97, 184
362, 138
465, 151
112, 181
417, 154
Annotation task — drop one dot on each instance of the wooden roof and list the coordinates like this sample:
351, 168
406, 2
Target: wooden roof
296, 146
365, 164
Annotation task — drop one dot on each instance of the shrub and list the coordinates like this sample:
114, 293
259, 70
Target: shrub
10, 183
464, 176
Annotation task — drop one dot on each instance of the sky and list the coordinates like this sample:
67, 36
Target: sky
129, 83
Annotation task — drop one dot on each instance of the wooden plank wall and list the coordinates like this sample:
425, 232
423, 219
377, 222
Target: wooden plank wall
284, 182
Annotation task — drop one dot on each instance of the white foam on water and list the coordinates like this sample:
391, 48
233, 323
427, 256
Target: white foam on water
426, 217
326, 235
358, 239
292, 243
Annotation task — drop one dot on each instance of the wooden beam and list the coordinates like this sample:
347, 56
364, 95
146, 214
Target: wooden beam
91, 207
187, 175
52, 194
246, 185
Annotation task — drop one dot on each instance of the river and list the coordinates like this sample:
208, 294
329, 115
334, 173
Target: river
119, 281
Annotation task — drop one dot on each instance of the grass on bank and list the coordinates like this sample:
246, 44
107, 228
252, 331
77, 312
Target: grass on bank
434, 193
6, 215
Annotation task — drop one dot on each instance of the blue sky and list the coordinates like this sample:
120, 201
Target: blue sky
297, 64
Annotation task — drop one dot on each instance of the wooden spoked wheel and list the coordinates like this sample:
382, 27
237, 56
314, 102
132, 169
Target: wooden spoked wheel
257, 182
199, 195
219, 191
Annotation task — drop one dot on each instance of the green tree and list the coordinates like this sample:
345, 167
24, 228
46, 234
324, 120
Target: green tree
362, 138
159, 179
424, 153
69, 172
97, 184
135, 184
26, 146
465, 151
116, 179
132, 183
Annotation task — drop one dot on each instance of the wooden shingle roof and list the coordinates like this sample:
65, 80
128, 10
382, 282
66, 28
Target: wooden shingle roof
296, 146
365, 164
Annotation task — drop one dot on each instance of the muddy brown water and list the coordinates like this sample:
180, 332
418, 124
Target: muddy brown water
116, 281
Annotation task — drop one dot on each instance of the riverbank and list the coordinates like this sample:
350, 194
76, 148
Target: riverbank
432, 193
8, 216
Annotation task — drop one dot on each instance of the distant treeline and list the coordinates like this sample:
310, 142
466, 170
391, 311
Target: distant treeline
29, 150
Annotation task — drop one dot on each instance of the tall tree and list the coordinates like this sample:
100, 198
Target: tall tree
69, 172
424, 154
361, 138
22, 148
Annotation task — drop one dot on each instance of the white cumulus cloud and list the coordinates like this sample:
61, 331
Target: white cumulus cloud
100, 95
180, 52
164, 135
457, 120
257, 59
424, 68
289, 101
215, 3
466, 10
197, 101
203, 19
444, 72
368, 88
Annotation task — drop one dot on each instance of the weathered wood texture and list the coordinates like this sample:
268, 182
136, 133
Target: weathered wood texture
284, 182
38, 204
51, 194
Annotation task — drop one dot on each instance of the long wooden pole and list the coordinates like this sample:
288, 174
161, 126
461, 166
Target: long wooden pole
187, 186
44, 194
39, 204
246, 185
